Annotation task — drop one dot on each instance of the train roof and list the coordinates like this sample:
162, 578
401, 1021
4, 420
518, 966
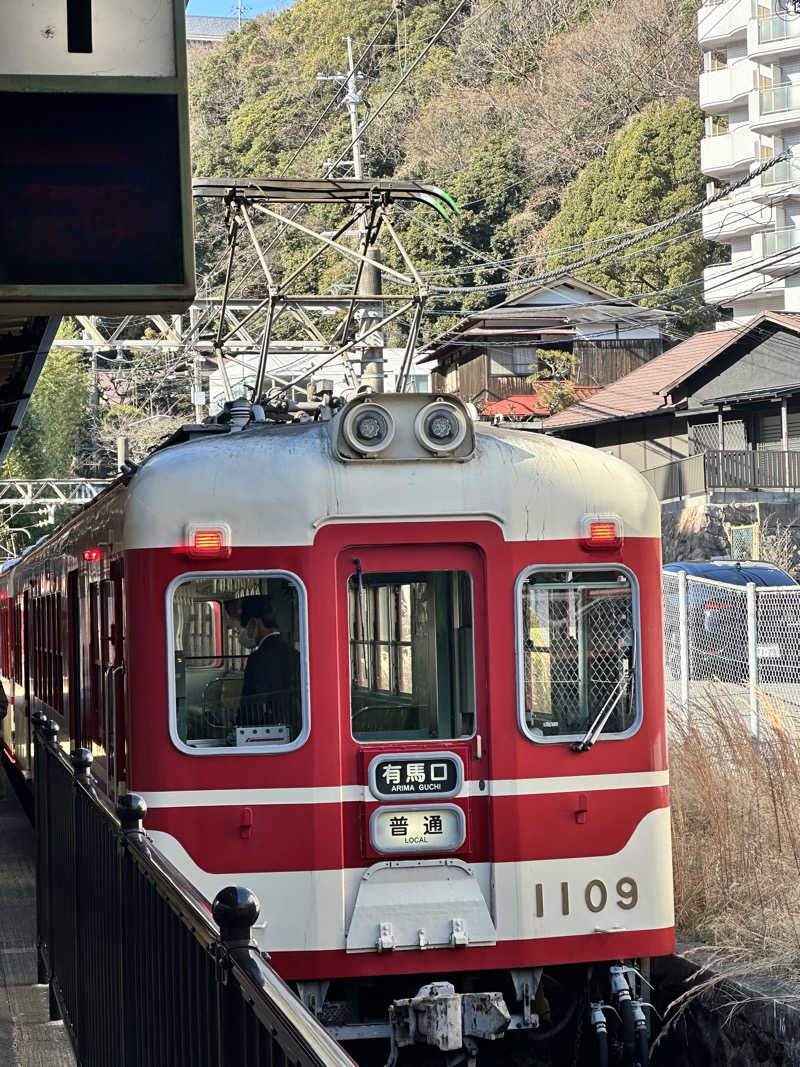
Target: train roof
277, 485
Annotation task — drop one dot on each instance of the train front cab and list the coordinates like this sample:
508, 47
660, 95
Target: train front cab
444, 825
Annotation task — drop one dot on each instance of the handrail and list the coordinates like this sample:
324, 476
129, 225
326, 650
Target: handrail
205, 948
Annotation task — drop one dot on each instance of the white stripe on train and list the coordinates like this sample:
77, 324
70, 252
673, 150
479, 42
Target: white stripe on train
333, 794
309, 911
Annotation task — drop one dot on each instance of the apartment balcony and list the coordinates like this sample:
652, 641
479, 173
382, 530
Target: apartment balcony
771, 39
722, 89
710, 471
728, 152
781, 182
781, 250
735, 216
776, 109
725, 283
720, 23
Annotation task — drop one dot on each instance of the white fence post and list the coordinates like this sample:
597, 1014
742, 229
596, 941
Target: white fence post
752, 657
683, 631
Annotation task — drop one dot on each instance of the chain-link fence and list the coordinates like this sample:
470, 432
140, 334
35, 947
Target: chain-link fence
743, 638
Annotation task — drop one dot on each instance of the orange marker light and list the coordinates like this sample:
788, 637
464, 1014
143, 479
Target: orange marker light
603, 533
208, 541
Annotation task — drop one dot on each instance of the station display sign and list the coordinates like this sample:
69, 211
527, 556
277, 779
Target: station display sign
415, 774
417, 828
95, 185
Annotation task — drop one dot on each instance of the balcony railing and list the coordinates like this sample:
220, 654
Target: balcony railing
777, 28
709, 471
781, 240
779, 98
787, 171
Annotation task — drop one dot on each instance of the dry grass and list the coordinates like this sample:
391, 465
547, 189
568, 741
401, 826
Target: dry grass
736, 831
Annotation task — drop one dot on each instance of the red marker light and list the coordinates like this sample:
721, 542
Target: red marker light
91, 554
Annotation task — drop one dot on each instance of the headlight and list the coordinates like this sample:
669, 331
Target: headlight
368, 429
440, 427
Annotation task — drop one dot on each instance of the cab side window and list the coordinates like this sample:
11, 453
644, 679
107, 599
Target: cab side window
578, 652
237, 662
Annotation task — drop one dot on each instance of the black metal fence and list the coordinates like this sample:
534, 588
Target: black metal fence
728, 469
144, 972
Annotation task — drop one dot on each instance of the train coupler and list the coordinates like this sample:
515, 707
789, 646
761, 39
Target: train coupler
440, 1017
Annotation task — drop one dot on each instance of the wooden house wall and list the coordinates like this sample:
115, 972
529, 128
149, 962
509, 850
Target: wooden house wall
646, 442
603, 362
599, 363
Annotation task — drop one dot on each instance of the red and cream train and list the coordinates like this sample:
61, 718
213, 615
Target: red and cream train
467, 783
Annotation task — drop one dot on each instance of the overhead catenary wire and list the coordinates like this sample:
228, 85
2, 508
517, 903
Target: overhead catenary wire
401, 81
639, 236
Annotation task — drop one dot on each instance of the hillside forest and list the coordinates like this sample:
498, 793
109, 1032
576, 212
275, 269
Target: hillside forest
555, 125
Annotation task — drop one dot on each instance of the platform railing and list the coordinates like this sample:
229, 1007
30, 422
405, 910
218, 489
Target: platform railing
144, 971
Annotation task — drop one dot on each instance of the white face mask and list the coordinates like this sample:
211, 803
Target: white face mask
245, 640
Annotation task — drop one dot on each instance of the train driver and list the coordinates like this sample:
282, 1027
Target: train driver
271, 687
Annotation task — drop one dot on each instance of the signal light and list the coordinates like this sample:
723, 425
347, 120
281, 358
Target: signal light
91, 554
208, 542
601, 532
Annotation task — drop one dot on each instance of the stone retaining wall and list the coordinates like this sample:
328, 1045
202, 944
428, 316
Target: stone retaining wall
732, 1024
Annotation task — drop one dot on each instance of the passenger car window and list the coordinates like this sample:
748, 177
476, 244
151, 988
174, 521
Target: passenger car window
238, 661
578, 652
411, 656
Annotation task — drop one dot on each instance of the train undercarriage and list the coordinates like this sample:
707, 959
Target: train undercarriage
589, 1015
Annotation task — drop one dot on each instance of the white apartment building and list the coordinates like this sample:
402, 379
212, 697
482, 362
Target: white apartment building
750, 91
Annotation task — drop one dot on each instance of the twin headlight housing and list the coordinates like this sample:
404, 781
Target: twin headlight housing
370, 427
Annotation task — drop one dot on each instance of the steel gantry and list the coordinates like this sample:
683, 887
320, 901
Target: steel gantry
367, 206
47, 493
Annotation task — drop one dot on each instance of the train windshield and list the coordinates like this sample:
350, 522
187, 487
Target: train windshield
237, 646
578, 653
411, 656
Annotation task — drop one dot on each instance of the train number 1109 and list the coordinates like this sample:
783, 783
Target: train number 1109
625, 894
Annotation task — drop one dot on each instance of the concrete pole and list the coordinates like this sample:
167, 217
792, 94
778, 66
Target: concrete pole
197, 389
370, 284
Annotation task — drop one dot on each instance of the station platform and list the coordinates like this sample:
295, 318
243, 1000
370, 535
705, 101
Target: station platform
27, 1036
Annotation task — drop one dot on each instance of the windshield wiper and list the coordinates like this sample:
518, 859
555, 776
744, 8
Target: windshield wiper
602, 717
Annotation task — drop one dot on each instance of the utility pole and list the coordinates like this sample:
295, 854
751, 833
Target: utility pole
370, 284
197, 388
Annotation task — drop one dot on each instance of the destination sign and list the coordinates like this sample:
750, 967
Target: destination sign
428, 774
417, 829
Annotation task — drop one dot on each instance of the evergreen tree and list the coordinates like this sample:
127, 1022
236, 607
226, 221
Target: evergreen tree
47, 441
650, 172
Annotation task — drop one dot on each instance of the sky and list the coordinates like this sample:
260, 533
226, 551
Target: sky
229, 7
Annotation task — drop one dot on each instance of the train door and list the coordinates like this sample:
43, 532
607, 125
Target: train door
416, 710
116, 698
109, 671
23, 708
73, 647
